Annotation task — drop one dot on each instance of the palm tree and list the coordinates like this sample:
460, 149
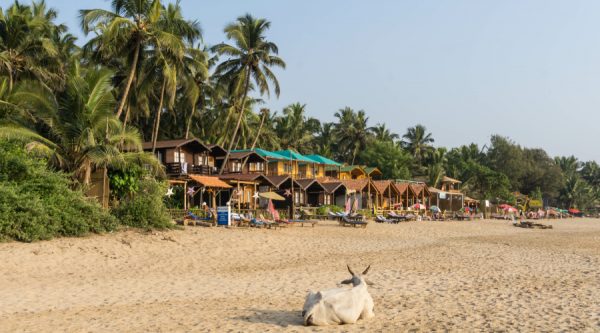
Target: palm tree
131, 27
295, 130
418, 142
27, 45
352, 133
250, 59
382, 133
325, 140
79, 131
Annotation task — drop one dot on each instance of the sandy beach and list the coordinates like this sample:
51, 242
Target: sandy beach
455, 276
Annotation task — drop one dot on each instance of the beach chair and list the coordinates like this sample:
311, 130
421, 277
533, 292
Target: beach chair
382, 219
195, 219
354, 222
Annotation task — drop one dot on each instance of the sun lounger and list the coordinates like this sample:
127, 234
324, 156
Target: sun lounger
381, 219
532, 225
348, 221
302, 222
196, 220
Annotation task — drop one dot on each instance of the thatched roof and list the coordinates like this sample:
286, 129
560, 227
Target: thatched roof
447, 179
209, 181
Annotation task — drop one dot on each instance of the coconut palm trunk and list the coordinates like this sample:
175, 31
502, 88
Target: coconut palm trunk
189, 121
239, 122
157, 120
136, 55
262, 122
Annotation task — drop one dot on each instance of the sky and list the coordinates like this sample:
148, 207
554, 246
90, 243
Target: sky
465, 69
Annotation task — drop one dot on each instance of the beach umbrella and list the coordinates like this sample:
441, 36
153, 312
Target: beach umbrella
271, 196
418, 206
511, 209
574, 211
505, 206
435, 209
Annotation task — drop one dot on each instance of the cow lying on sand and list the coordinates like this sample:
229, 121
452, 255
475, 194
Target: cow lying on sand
340, 305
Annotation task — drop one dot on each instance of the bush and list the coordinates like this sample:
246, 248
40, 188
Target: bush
146, 208
37, 203
323, 210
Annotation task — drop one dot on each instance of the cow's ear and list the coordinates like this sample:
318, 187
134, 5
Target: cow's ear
348, 281
318, 296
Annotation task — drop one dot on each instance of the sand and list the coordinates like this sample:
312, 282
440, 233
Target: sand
444, 276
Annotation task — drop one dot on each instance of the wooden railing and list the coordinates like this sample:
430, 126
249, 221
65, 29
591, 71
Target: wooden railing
177, 169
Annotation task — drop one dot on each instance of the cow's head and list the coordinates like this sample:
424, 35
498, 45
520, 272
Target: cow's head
357, 279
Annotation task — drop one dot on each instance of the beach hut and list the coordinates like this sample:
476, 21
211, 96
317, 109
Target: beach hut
352, 172
373, 172
362, 191
209, 187
336, 193
422, 193
406, 193
182, 157
314, 192
248, 185
388, 194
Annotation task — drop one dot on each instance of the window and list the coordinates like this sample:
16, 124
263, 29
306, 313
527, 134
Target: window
201, 160
287, 168
236, 166
159, 155
327, 199
179, 157
298, 197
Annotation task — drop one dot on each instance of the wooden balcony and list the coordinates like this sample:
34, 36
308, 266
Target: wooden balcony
177, 169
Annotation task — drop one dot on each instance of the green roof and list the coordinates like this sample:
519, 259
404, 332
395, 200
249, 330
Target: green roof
369, 170
264, 153
349, 168
322, 160
292, 155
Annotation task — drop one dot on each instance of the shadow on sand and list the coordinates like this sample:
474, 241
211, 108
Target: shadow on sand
282, 318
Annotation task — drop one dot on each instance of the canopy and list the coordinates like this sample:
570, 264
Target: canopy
271, 195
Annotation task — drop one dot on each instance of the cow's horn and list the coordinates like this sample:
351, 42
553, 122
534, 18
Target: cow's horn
366, 270
350, 270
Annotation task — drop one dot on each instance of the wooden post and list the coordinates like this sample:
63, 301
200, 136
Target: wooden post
185, 196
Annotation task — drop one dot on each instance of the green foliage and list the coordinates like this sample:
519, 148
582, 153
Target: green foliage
323, 210
146, 208
124, 183
37, 203
389, 158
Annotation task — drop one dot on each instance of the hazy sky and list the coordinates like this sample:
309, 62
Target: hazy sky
529, 70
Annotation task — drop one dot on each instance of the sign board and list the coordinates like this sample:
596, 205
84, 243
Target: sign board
535, 204
487, 203
223, 216
442, 195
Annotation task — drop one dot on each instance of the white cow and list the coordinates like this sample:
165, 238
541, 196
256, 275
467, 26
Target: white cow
340, 305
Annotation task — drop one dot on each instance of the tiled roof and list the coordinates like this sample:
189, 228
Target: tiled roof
382, 185
332, 187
